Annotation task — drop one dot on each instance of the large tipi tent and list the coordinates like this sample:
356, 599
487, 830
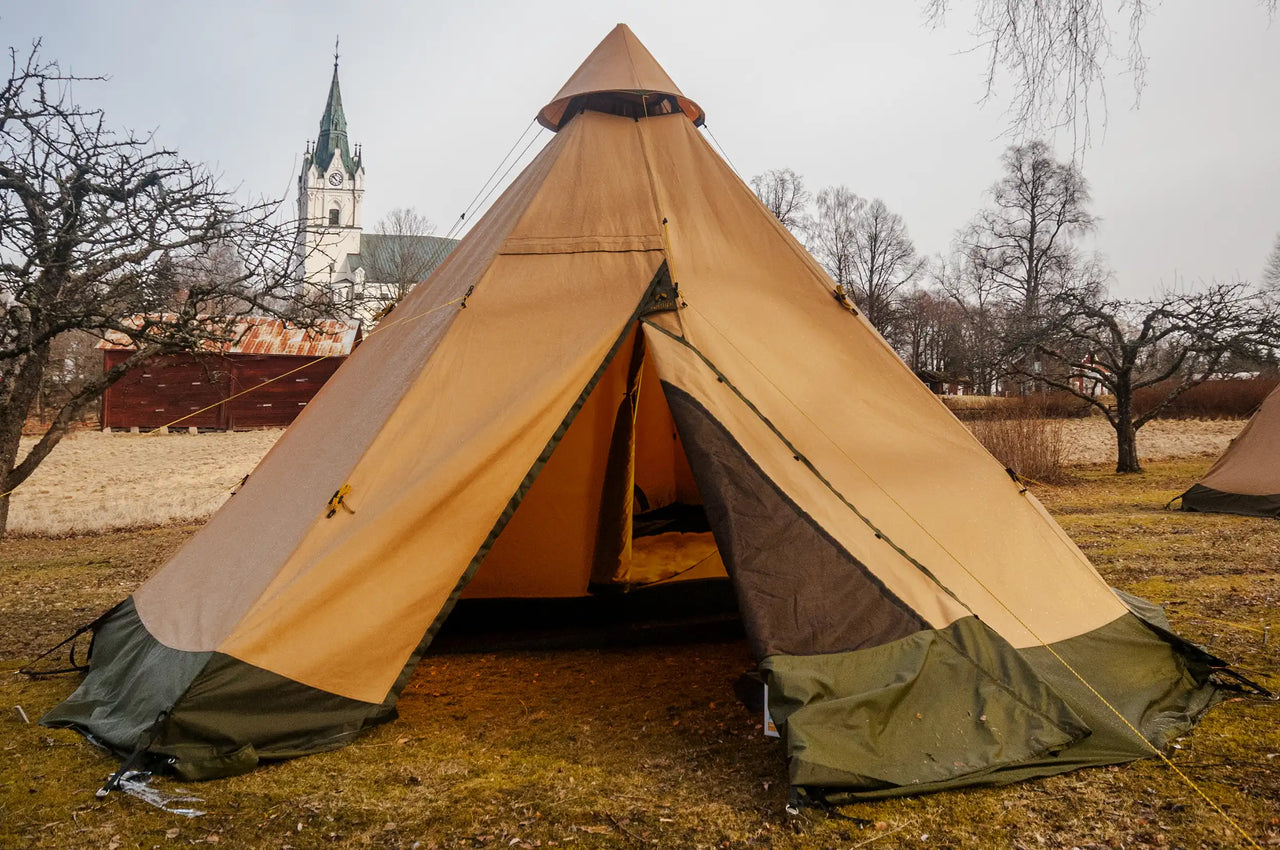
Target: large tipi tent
1246, 479
629, 371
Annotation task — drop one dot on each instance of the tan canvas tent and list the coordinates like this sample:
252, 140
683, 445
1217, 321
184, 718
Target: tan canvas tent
1246, 479
630, 372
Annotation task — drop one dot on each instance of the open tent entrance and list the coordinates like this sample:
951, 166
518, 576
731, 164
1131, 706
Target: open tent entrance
615, 508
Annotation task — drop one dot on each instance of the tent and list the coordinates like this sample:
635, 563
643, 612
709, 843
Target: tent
1246, 479
629, 372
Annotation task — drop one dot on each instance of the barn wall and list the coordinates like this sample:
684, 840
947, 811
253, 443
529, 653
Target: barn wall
172, 386
278, 403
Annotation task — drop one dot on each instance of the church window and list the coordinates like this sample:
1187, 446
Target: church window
333, 217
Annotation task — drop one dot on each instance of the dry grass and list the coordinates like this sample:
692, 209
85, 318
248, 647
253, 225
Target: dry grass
969, 406
1092, 440
647, 747
1054, 405
96, 482
1031, 446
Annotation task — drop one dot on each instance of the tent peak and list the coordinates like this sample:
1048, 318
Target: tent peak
621, 77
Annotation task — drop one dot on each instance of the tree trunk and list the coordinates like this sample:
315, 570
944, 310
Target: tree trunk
26, 379
1127, 448
1126, 434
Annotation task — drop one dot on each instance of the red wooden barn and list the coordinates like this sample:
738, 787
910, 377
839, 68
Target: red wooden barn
172, 386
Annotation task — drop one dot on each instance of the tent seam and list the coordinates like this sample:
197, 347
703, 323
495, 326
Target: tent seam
921, 623
809, 465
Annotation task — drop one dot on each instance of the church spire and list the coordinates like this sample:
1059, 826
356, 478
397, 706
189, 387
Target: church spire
333, 127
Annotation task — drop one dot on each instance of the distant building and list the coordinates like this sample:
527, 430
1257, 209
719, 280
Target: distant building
941, 384
1090, 386
334, 254
296, 362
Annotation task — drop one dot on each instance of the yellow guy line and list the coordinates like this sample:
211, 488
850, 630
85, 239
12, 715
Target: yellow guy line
372, 333
992, 594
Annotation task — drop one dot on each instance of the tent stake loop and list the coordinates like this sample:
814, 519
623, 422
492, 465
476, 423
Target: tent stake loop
134, 759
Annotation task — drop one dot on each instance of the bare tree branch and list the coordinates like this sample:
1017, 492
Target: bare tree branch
784, 193
1056, 54
105, 232
1088, 343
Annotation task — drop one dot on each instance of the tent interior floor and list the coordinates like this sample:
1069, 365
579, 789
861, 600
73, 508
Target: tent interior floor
693, 611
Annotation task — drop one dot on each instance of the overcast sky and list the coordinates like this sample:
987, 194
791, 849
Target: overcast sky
856, 93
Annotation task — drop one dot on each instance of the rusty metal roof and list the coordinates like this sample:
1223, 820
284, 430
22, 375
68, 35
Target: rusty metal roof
264, 335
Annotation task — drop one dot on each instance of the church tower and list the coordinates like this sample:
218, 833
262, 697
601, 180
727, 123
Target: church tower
330, 197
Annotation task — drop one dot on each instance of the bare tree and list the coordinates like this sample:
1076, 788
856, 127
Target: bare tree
1021, 248
931, 334
1023, 241
399, 255
1271, 271
94, 227
832, 235
74, 359
1057, 53
970, 286
1173, 342
783, 192
884, 260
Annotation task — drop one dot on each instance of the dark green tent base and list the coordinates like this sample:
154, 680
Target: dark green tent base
959, 706
1208, 500
1009, 714
204, 715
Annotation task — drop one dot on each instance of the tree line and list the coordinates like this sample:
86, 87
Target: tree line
1017, 306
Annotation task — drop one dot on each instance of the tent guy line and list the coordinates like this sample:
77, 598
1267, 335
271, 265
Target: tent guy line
159, 429
720, 147
461, 221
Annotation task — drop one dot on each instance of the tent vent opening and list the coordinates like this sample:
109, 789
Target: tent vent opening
626, 104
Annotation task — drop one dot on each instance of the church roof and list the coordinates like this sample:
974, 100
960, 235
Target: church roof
333, 131
390, 258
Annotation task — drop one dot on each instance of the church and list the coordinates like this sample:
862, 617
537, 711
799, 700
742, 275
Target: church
361, 274
366, 273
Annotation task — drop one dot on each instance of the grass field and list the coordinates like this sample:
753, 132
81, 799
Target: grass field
647, 746
95, 482
99, 482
